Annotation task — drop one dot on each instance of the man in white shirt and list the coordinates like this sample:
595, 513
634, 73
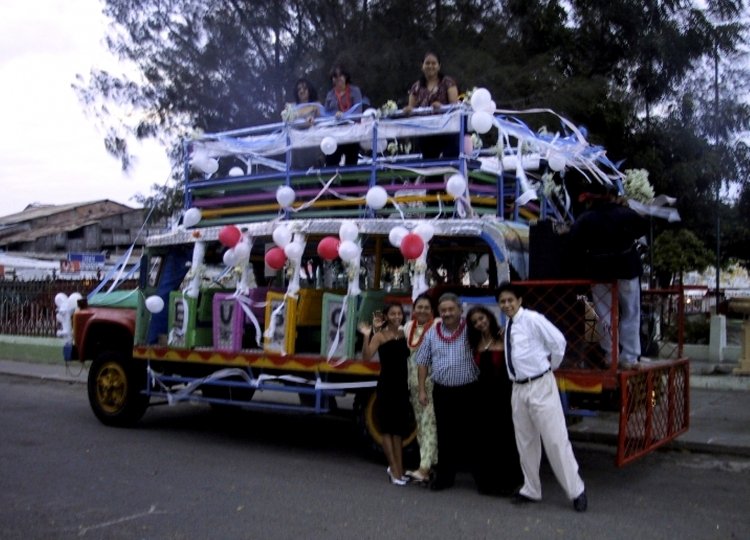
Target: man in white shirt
533, 348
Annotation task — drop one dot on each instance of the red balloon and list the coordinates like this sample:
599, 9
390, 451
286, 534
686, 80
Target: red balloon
412, 246
328, 248
276, 258
230, 236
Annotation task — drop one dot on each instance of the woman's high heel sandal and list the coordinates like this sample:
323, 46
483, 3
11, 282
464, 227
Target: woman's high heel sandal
396, 481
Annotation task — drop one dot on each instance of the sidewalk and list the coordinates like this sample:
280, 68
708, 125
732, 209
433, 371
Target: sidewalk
719, 408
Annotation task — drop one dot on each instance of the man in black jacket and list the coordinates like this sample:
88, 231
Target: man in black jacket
603, 245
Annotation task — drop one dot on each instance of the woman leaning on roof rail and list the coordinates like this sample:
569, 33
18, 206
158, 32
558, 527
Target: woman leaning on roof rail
434, 89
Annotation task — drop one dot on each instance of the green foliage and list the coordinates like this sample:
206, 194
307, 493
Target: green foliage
677, 252
641, 76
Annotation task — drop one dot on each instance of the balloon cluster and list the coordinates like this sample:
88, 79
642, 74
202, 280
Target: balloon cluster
276, 257
482, 118
201, 162
238, 246
411, 244
67, 303
349, 250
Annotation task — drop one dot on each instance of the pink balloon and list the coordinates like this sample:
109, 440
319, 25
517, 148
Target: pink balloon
412, 246
328, 248
275, 258
229, 236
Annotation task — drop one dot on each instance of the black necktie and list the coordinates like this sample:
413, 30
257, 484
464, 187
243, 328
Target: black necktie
508, 348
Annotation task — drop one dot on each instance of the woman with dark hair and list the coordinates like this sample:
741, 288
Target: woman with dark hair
499, 465
433, 89
393, 409
341, 98
306, 108
423, 316
306, 100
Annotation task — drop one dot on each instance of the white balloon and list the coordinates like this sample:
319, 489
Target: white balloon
282, 235
285, 196
456, 185
396, 235
155, 304
479, 275
242, 252
348, 231
61, 299
293, 250
376, 197
481, 122
236, 171
556, 161
484, 261
425, 231
73, 300
348, 250
328, 145
366, 145
192, 217
489, 107
480, 96
230, 257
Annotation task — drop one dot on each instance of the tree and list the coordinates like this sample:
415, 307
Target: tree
616, 67
676, 253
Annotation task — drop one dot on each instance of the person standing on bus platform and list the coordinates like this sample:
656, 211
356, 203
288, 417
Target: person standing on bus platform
434, 89
533, 348
603, 248
454, 375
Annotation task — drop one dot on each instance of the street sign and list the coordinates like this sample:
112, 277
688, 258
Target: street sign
88, 261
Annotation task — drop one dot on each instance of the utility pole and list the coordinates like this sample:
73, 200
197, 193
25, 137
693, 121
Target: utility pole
718, 180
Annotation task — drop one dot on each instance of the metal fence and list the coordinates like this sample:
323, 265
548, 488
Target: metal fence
27, 308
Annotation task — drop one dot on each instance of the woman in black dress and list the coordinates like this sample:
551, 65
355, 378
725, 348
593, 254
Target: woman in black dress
392, 392
499, 468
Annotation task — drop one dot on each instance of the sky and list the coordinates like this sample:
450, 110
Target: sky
50, 151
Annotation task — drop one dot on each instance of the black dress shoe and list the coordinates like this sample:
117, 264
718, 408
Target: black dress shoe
520, 498
580, 503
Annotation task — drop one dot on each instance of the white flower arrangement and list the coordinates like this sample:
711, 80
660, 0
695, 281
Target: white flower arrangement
466, 98
548, 184
392, 148
389, 108
289, 113
476, 141
637, 186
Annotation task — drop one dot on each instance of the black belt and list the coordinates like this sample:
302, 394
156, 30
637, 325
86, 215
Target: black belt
528, 380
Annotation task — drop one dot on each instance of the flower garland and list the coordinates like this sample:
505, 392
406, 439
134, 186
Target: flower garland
637, 186
454, 336
412, 331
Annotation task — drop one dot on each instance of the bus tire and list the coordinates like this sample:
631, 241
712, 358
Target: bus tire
115, 383
365, 406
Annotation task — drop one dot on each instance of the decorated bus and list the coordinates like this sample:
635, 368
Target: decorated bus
255, 298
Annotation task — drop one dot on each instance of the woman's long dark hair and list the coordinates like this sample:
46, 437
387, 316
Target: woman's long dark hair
422, 78
387, 308
311, 91
474, 336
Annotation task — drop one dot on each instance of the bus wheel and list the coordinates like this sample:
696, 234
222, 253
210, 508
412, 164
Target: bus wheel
365, 408
114, 388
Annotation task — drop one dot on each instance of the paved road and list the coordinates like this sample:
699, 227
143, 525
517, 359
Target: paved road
188, 473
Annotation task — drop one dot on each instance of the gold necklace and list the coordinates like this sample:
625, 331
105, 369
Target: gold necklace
489, 344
